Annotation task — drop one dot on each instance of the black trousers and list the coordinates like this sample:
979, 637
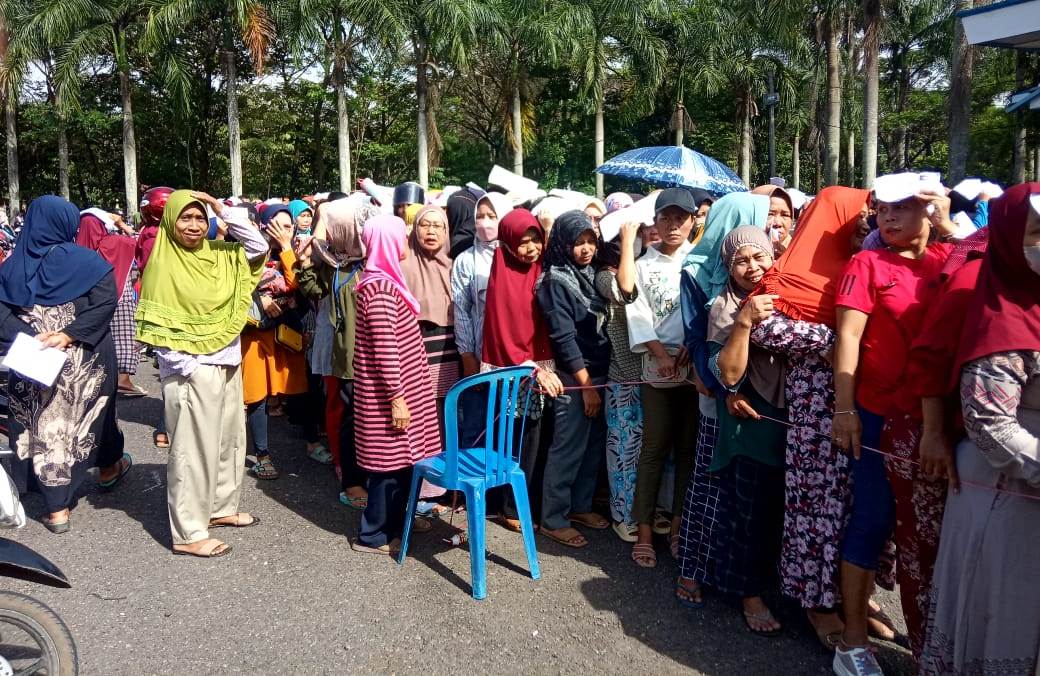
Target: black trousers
352, 474
383, 518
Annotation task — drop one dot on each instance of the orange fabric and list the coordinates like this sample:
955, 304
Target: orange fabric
269, 369
806, 276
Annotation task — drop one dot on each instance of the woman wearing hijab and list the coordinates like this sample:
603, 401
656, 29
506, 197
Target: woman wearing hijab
881, 303
469, 280
332, 271
704, 276
703, 199
195, 299
64, 295
574, 315
781, 216
396, 411
302, 217
985, 610
461, 207
118, 251
515, 334
271, 365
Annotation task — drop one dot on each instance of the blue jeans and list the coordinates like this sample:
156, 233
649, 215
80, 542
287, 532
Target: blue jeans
256, 415
873, 506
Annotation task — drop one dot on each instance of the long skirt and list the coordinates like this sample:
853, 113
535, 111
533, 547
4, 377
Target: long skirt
128, 350
701, 509
624, 440
985, 596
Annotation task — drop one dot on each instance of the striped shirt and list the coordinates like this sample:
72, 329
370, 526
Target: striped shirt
442, 354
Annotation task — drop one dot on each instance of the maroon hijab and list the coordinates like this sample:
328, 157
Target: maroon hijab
116, 249
1004, 314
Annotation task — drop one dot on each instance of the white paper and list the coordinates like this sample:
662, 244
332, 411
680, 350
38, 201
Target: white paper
32, 360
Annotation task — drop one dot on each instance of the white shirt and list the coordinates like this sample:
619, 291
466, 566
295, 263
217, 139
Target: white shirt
655, 313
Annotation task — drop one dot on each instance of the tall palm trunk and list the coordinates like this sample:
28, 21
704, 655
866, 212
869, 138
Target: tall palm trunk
851, 163
129, 142
960, 98
342, 127
796, 162
600, 145
518, 129
422, 135
63, 158
1018, 169
744, 163
871, 46
833, 119
234, 135
13, 191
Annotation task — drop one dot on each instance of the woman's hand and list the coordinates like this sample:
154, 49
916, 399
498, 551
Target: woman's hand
399, 414
209, 200
938, 462
666, 364
221, 229
682, 358
56, 339
549, 382
593, 401
270, 307
940, 216
846, 431
740, 406
701, 387
629, 232
757, 309
281, 234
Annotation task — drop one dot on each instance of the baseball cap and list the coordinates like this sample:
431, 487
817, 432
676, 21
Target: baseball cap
675, 197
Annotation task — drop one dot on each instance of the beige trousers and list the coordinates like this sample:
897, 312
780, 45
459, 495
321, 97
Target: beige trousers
206, 421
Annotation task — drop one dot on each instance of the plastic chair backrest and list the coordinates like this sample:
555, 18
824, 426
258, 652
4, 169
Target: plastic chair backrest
504, 398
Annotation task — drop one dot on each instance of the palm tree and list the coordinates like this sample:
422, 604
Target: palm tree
960, 97
253, 23
871, 80
11, 69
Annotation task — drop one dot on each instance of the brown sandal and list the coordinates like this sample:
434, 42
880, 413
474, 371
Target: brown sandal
576, 541
589, 520
217, 523
644, 555
209, 551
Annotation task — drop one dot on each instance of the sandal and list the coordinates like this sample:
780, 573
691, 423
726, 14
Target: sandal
217, 523
58, 527
761, 619
320, 454
829, 640
131, 392
126, 462
165, 439
589, 520
421, 525
879, 624
689, 597
265, 469
382, 550
662, 524
357, 504
213, 550
625, 532
576, 541
673, 546
644, 555
509, 524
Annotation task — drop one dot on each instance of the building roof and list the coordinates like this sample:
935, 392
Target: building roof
1010, 23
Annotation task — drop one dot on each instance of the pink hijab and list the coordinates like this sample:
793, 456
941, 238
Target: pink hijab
384, 240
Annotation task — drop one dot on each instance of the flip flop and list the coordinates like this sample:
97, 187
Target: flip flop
131, 393
207, 553
109, 485
577, 541
381, 550
766, 633
357, 504
689, 603
238, 522
593, 521
58, 527
320, 454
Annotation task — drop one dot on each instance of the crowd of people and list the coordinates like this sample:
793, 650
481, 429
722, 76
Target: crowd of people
816, 397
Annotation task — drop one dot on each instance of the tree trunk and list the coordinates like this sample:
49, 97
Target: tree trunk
871, 40
422, 139
600, 143
63, 159
342, 130
960, 98
13, 190
833, 135
1036, 164
518, 130
234, 136
1018, 169
852, 157
129, 144
796, 162
818, 163
744, 163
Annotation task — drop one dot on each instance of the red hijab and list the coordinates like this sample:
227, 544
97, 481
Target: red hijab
1004, 314
514, 331
806, 275
116, 249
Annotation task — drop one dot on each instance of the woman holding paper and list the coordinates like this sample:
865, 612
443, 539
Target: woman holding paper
64, 295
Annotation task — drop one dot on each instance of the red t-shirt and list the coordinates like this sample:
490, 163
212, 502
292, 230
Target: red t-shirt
895, 292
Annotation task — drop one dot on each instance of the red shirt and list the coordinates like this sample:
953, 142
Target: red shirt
895, 292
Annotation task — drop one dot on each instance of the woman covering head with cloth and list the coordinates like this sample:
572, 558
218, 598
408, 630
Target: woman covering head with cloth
64, 295
991, 539
781, 216
881, 303
574, 316
703, 277
395, 408
195, 299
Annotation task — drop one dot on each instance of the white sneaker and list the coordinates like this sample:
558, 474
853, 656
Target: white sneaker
856, 662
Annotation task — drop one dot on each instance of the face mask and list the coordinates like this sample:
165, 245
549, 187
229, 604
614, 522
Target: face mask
1032, 258
486, 229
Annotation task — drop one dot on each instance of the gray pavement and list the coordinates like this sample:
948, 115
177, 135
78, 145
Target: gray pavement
293, 598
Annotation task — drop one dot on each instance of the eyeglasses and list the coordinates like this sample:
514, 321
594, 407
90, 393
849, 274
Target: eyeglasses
432, 227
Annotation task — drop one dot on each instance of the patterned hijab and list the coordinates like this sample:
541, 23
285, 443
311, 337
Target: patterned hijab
343, 219
560, 267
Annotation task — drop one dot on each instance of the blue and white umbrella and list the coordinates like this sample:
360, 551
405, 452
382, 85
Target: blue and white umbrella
671, 166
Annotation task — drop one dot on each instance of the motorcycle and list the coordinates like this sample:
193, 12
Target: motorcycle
33, 638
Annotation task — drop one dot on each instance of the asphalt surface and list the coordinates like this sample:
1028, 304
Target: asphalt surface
293, 598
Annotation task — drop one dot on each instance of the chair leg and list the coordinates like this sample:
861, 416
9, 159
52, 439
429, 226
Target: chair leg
523, 512
477, 562
409, 514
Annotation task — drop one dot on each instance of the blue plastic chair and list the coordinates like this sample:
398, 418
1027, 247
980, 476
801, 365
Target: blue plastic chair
474, 470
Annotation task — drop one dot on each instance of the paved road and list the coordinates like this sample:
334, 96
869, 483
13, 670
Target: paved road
293, 598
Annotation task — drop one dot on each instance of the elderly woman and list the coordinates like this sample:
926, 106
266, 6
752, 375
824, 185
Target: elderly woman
781, 216
990, 545
195, 299
64, 295
395, 407
881, 304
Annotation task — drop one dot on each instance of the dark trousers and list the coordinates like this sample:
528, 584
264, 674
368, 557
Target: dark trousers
527, 447
352, 474
383, 518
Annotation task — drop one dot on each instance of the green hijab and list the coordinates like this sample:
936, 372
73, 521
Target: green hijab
704, 262
193, 300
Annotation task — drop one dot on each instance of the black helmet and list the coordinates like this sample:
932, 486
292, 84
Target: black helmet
409, 193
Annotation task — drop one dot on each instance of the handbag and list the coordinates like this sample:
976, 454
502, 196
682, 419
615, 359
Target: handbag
289, 338
654, 378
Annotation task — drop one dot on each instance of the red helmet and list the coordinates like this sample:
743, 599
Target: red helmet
152, 204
